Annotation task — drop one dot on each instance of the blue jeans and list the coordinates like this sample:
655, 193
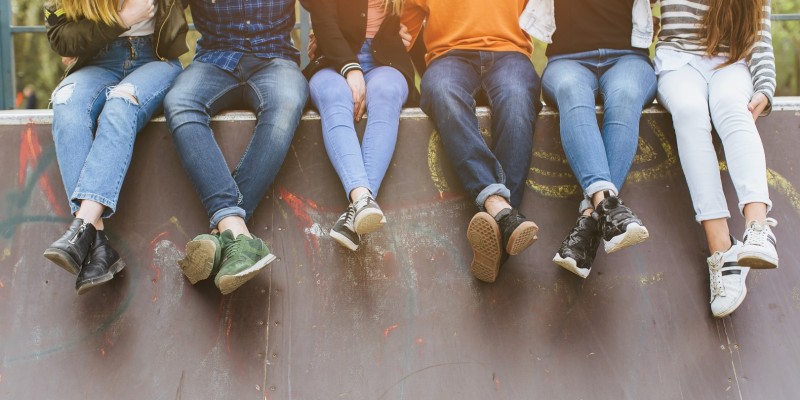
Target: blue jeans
274, 89
360, 165
625, 81
97, 112
511, 85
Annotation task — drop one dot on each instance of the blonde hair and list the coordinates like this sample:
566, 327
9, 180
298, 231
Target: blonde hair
104, 11
393, 6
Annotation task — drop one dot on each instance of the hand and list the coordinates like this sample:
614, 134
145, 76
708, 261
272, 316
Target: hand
135, 11
312, 46
67, 61
355, 79
405, 36
758, 104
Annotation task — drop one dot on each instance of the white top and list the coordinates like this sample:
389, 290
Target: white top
143, 28
670, 60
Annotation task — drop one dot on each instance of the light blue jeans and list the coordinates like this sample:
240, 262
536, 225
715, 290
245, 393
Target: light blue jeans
360, 165
625, 81
97, 112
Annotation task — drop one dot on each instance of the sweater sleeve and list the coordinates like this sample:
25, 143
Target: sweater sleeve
761, 62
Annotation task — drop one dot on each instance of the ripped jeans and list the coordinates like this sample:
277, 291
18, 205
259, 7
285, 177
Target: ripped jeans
97, 112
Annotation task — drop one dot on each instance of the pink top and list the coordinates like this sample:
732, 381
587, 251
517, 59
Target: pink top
375, 15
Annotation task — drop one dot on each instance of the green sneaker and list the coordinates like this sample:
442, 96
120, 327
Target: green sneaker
242, 259
202, 258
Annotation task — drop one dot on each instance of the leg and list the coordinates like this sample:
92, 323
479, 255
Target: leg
77, 102
512, 87
448, 91
387, 91
188, 108
129, 107
730, 91
573, 88
277, 92
334, 100
627, 87
684, 93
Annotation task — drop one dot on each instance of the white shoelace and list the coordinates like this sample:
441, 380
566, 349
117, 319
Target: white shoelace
757, 233
714, 267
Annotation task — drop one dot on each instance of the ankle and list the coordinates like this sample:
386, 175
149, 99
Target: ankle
494, 204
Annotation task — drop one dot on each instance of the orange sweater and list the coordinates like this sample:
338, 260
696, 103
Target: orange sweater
467, 25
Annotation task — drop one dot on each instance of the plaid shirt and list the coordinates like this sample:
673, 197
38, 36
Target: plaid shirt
231, 28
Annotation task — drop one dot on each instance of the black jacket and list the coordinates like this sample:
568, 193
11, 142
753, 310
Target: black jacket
84, 39
340, 27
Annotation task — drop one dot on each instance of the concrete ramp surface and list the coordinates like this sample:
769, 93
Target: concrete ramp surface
402, 318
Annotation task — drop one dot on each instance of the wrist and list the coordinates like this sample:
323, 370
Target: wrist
350, 67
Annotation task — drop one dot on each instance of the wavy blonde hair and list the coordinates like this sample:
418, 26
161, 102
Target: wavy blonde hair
735, 23
104, 11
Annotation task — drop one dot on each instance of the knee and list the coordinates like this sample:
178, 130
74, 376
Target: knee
443, 94
393, 92
124, 91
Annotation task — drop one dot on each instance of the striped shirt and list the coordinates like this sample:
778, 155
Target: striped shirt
681, 23
231, 28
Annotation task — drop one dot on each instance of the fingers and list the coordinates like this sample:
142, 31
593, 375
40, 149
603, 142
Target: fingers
405, 36
360, 107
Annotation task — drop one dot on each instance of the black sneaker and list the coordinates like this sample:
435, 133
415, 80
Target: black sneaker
343, 231
368, 215
619, 225
70, 251
578, 249
518, 233
100, 266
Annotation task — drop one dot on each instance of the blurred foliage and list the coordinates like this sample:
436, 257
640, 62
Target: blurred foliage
38, 65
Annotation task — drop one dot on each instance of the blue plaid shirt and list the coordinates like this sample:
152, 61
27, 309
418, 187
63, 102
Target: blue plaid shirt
231, 28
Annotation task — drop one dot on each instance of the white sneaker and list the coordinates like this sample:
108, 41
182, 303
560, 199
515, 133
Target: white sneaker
759, 247
368, 215
727, 278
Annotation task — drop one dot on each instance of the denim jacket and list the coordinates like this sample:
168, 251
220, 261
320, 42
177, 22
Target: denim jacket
538, 20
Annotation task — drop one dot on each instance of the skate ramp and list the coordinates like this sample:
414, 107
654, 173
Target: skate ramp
402, 318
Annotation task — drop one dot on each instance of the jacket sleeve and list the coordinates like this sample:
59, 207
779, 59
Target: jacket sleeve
76, 38
330, 39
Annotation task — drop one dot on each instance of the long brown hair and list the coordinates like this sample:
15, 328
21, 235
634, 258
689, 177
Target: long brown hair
735, 23
104, 11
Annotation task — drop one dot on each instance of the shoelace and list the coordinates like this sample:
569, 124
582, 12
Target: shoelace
232, 248
715, 266
757, 233
348, 216
363, 201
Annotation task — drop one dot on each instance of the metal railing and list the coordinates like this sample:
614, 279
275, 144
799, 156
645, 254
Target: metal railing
8, 80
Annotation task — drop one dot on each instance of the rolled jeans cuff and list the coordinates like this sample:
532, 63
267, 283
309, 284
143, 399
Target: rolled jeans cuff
225, 213
599, 186
494, 189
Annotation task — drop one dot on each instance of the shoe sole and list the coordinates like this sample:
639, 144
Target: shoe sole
368, 221
199, 260
63, 260
634, 234
94, 282
757, 260
484, 238
229, 283
739, 301
343, 240
570, 265
522, 238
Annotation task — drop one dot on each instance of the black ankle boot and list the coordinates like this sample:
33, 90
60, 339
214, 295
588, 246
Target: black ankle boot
70, 250
101, 265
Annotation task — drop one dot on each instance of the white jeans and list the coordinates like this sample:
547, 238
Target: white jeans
697, 96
